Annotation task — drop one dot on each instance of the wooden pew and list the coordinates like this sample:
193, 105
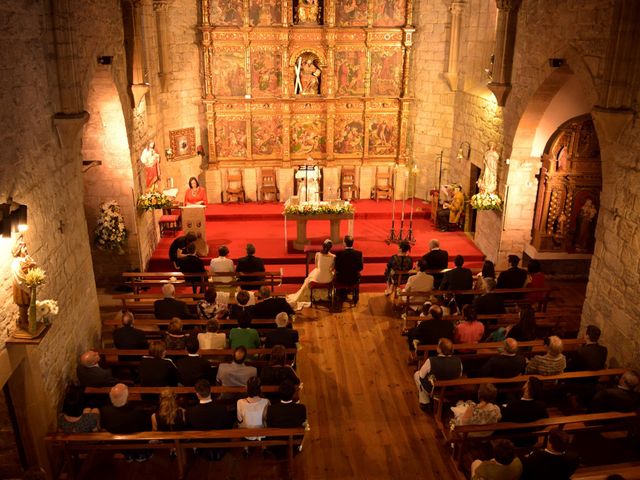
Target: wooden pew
628, 470
149, 322
444, 387
136, 392
182, 442
463, 435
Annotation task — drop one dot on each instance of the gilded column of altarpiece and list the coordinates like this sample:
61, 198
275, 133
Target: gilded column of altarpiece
285, 80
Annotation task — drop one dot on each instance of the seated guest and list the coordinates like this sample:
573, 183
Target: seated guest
400, 262
482, 413
169, 307
193, 367
281, 335
513, 277
212, 339
622, 398
348, 265
222, 264
489, 302
236, 373
244, 335
525, 330
535, 279
155, 370
506, 364
458, 278
552, 363
175, 338
444, 366
169, 417
178, 245
590, 356
128, 337
207, 415
553, 462
285, 413
504, 465
278, 371
488, 273
241, 310
431, 329
268, 306
420, 282
436, 259
214, 304
529, 407
469, 330
91, 374
252, 411
75, 418
250, 264
122, 418
191, 263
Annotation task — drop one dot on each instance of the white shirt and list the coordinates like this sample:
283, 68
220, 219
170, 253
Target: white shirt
222, 265
212, 341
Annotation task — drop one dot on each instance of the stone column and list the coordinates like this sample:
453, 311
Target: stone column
138, 86
160, 8
503, 55
407, 43
456, 9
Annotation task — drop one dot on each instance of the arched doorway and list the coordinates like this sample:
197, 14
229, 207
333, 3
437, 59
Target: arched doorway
108, 174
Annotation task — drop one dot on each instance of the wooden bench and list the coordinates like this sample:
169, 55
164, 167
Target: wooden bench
182, 442
149, 322
444, 387
462, 435
136, 392
628, 470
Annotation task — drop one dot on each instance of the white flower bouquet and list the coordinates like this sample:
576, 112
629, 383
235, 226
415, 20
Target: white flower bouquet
46, 310
154, 200
110, 232
321, 208
486, 201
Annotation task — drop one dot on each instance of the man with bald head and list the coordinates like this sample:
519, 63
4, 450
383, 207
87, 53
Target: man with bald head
128, 337
169, 307
91, 374
122, 417
622, 398
444, 366
250, 264
436, 259
508, 363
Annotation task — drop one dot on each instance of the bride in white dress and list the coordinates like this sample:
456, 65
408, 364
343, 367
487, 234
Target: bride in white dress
323, 273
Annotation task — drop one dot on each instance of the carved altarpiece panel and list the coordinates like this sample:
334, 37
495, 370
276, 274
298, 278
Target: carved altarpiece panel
569, 186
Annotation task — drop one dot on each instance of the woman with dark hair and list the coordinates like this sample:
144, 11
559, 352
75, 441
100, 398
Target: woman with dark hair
469, 330
169, 416
399, 262
75, 418
195, 194
278, 371
252, 410
504, 465
525, 329
488, 271
175, 337
323, 273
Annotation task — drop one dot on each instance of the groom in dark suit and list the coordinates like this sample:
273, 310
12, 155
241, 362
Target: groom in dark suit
348, 265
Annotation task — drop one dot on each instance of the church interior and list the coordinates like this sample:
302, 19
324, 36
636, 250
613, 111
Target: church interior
498, 127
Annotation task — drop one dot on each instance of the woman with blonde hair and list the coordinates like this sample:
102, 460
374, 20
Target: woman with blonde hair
175, 338
169, 416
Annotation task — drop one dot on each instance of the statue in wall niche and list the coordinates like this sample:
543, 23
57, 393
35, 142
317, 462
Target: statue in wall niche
20, 266
585, 226
307, 75
489, 179
308, 12
150, 158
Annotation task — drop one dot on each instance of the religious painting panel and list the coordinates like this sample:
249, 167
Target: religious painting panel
349, 135
388, 13
266, 73
307, 12
231, 137
266, 136
308, 135
226, 12
383, 135
183, 142
265, 12
351, 13
350, 72
386, 72
228, 74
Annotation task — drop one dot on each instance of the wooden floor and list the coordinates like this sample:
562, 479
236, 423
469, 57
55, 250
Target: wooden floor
362, 407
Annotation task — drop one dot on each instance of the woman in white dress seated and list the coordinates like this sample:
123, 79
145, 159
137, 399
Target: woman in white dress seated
323, 273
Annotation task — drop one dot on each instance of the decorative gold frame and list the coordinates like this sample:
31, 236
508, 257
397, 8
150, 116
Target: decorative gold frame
183, 142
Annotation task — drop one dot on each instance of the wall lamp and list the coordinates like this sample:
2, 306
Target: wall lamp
464, 151
169, 154
13, 218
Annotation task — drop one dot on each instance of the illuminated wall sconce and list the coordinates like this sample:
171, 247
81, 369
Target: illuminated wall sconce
13, 218
200, 150
169, 154
489, 71
507, 161
464, 151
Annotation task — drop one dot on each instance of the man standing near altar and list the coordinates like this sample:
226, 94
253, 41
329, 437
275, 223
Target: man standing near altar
250, 264
348, 265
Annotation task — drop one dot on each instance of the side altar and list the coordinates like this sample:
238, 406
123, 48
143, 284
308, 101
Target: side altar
333, 212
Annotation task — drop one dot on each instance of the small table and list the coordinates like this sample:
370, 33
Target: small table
334, 222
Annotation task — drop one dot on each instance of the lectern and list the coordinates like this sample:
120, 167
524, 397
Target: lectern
193, 221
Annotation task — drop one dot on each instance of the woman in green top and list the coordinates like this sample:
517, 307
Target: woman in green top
244, 335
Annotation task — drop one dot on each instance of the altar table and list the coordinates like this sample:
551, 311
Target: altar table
334, 222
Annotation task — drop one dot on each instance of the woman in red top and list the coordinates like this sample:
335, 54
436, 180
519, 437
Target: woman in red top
195, 195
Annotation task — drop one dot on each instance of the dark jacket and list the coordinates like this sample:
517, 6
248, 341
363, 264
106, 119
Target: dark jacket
429, 332
348, 265
130, 338
459, 278
209, 416
436, 259
489, 304
544, 465
287, 337
588, 357
503, 366
193, 368
177, 245
157, 372
286, 415
512, 278
167, 308
614, 400
95, 376
191, 264
250, 264
524, 411
271, 307
125, 419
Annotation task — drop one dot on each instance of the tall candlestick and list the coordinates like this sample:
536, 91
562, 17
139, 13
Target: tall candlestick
392, 234
414, 172
404, 197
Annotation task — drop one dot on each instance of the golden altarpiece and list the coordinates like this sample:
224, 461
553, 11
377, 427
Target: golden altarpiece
569, 186
286, 81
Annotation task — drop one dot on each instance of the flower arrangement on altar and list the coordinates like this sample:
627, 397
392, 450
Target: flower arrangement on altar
321, 208
46, 310
486, 201
110, 232
154, 200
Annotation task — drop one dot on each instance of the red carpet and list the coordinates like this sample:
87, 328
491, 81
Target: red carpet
236, 225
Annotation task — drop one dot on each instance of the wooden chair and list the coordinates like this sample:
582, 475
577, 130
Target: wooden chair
235, 187
347, 290
383, 186
348, 188
170, 221
321, 286
269, 185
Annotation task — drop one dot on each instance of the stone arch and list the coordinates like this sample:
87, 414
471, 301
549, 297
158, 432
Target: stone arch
110, 175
